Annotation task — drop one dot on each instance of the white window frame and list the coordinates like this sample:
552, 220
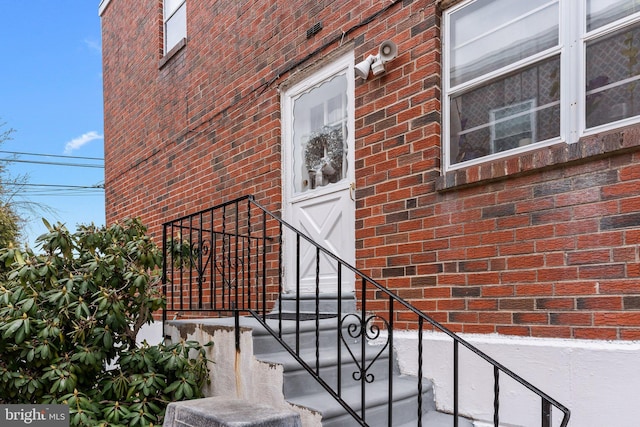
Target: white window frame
166, 16
571, 48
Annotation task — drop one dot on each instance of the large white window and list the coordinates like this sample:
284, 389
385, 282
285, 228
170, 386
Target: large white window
521, 74
175, 22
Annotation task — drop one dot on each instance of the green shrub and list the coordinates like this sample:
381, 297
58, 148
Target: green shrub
69, 319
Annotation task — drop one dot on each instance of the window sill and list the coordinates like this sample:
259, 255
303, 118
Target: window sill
446, 4
587, 148
174, 50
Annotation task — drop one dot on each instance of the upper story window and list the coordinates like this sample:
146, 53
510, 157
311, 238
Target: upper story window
519, 75
175, 22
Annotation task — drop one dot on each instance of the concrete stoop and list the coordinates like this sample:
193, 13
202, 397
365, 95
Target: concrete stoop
225, 412
265, 373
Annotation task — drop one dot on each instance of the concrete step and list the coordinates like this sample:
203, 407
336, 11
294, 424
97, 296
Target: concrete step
325, 302
297, 379
436, 419
301, 334
224, 412
320, 354
404, 402
300, 388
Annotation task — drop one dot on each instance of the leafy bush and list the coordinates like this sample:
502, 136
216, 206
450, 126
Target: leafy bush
69, 319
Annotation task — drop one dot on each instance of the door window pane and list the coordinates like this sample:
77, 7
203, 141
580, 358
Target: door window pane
487, 35
320, 135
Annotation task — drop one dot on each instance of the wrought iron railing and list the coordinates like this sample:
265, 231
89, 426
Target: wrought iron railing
229, 260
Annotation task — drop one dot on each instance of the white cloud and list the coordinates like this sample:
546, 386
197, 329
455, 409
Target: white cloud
78, 142
93, 45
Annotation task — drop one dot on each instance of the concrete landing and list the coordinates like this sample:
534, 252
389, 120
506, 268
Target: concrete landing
224, 412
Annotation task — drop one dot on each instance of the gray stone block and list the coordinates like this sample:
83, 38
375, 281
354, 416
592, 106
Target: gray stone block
224, 412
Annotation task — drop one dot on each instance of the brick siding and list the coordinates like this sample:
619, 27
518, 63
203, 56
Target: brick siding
544, 244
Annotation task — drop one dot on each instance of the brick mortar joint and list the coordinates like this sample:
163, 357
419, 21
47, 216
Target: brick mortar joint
558, 155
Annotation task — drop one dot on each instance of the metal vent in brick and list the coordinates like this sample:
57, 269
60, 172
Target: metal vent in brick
314, 30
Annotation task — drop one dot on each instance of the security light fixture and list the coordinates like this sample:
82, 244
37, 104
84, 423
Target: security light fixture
388, 50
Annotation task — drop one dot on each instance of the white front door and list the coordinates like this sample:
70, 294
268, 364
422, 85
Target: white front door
318, 177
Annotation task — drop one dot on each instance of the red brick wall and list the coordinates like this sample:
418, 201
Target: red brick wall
545, 244
550, 251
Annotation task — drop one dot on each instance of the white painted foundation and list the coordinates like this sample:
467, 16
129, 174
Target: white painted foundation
599, 381
151, 332
239, 375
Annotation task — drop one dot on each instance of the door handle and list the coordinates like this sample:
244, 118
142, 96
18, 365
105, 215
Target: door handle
352, 191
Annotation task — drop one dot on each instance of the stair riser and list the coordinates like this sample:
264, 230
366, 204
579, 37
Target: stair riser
327, 339
299, 387
403, 411
308, 304
298, 382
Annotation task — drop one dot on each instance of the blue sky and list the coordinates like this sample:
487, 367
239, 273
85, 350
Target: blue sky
51, 95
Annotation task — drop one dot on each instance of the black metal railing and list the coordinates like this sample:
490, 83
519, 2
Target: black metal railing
230, 260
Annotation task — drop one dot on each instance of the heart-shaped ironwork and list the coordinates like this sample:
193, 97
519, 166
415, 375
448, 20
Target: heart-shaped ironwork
366, 329
200, 251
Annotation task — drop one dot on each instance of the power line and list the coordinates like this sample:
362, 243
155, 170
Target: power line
54, 190
58, 190
51, 155
97, 186
65, 193
80, 165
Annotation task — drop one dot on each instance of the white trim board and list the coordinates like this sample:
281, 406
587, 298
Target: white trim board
103, 5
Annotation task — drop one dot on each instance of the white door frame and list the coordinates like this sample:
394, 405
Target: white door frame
346, 185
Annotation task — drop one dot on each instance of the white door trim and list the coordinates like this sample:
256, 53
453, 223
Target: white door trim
343, 64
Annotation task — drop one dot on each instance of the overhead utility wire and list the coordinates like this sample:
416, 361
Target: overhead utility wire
35, 190
62, 192
97, 186
80, 165
42, 190
51, 155
60, 195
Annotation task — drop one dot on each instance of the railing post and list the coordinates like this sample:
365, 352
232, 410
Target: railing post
164, 276
200, 261
496, 396
181, 272
280, 272
298, 293
455, 383
420, 353
236, 314
247, 253
236, 260
363, 363
212, 266
390, 369
339, 329
317, 311
546, 413
191, 263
